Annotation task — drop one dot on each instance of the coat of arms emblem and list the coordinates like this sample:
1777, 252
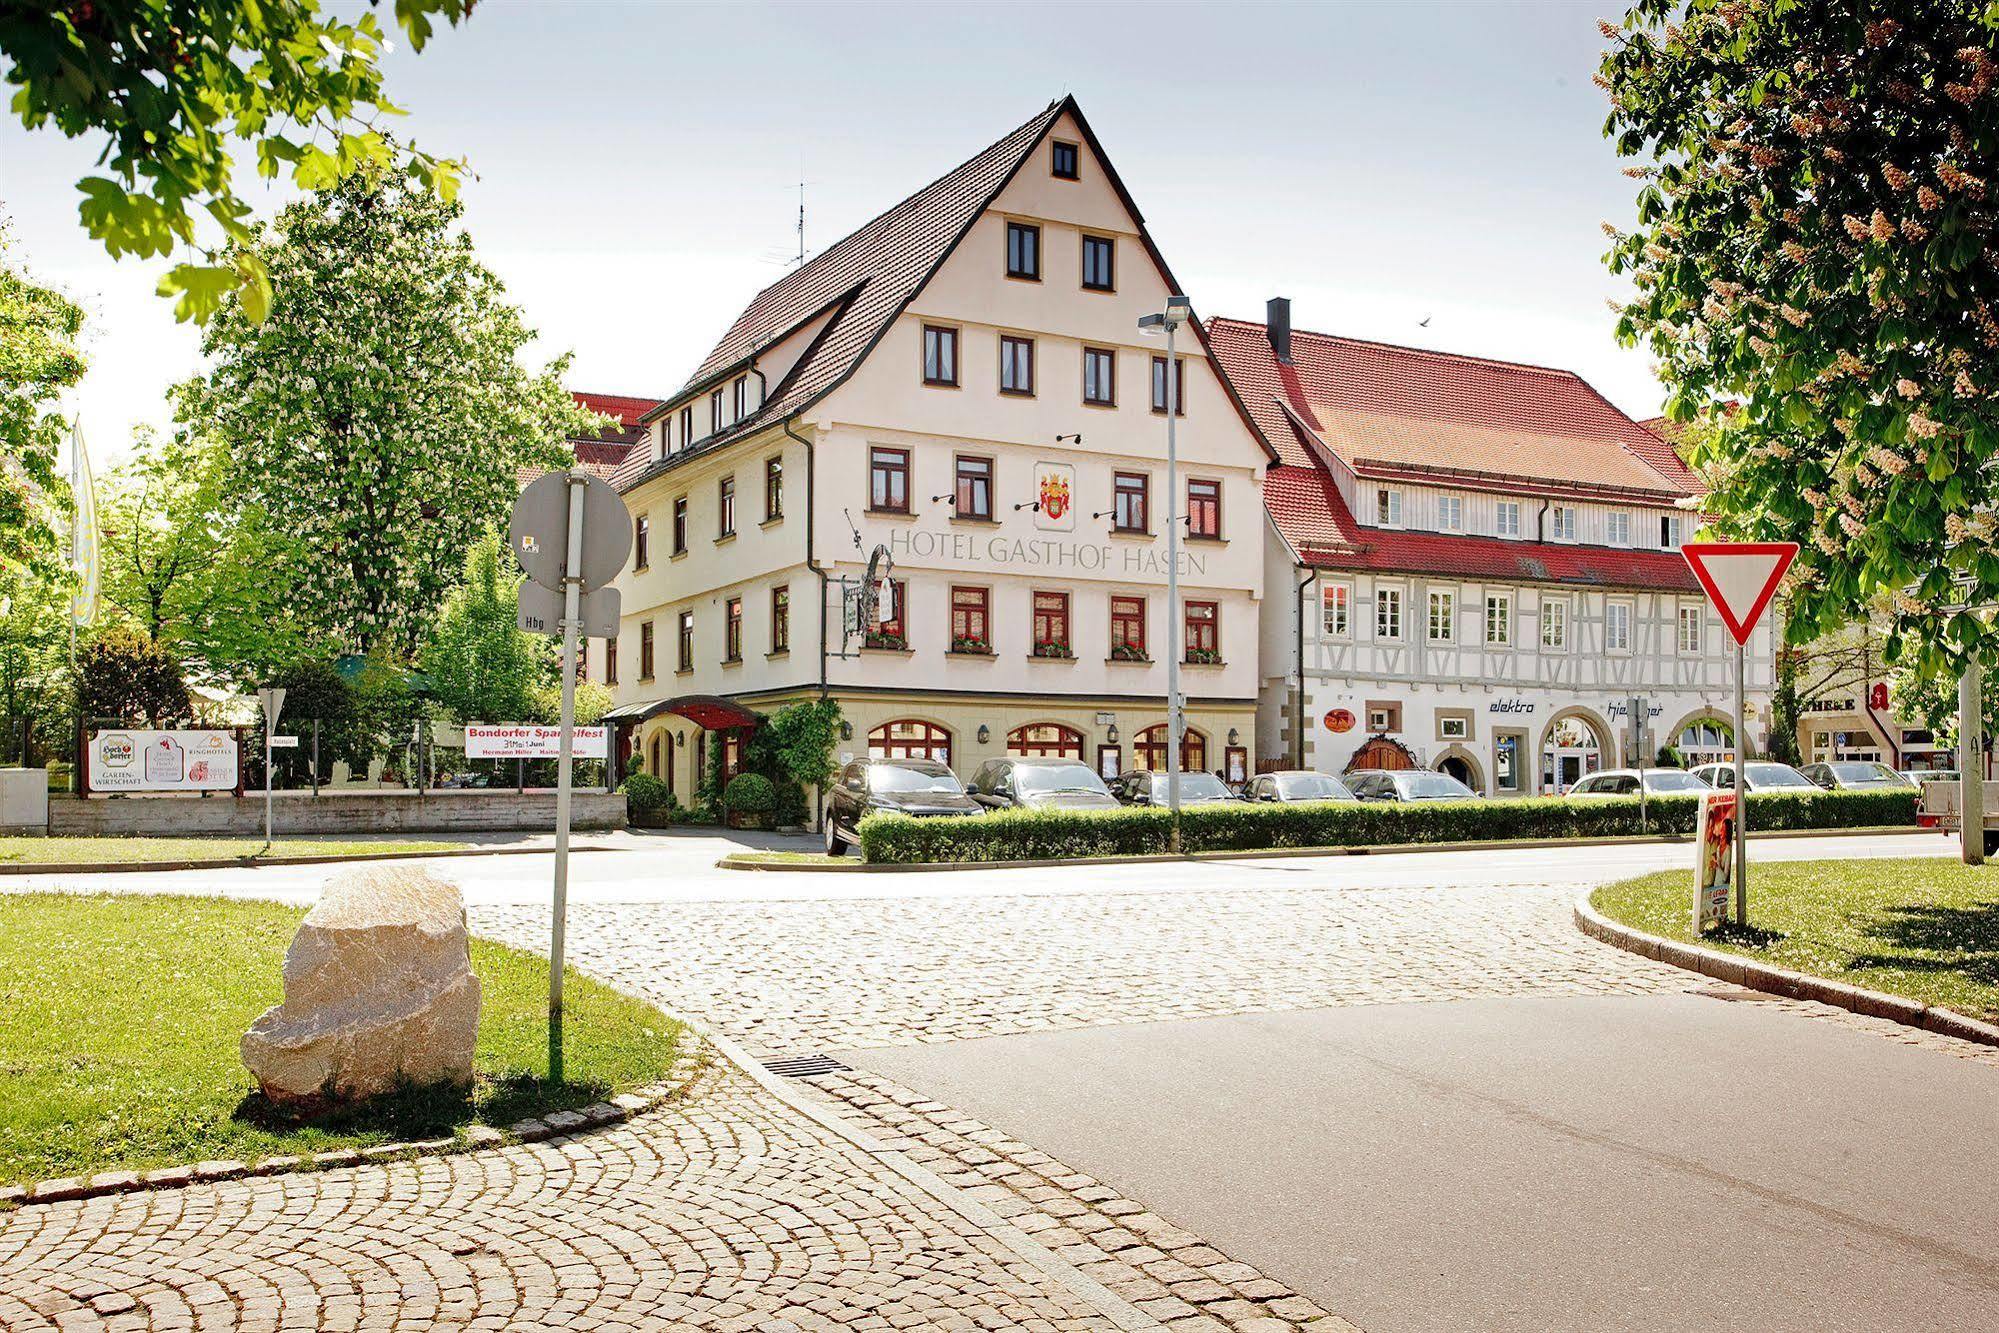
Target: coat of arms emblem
1054, 495
1055, 491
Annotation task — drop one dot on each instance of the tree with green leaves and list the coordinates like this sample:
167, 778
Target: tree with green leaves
481, 665
380, 417
185, 560
171, 86
39, 362
1817, 237
125, 674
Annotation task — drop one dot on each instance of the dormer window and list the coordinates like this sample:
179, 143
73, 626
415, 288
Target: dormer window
1450, 513
1506, 519
715, 412
1617, 527
1388, 508
1062, 161
740, 398
1669, 531
1562, 523
686, 426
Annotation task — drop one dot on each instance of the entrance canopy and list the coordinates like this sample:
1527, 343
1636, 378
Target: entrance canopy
711, 711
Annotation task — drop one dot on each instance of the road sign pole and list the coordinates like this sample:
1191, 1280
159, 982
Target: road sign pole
572, 596
1741, 793
1971, 765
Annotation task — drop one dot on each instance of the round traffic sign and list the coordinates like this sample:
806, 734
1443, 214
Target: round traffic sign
539, 532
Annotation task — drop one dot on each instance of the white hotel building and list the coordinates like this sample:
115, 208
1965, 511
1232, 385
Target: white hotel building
1429, 559
1472, 566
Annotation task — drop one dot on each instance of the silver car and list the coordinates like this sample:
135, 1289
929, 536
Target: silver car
1296, 785
1758, 775
1856, 775
1624, 782
1407, 784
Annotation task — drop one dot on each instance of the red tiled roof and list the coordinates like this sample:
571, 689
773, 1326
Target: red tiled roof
625, 410
603, 452
1385, 408
1448, 420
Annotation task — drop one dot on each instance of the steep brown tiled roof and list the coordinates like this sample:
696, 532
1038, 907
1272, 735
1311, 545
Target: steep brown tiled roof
869, 277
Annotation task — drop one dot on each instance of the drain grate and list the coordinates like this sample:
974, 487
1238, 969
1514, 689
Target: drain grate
805, 1066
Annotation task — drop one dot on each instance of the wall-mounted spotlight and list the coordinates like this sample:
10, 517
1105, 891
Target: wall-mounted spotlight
1035, 505
1076, 439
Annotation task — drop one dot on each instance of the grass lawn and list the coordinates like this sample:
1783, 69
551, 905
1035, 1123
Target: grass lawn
792, 859
119, 1018
1926, 929
136, 851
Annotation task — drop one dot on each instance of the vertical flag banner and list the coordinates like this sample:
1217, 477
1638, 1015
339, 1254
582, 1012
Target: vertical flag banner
83, 532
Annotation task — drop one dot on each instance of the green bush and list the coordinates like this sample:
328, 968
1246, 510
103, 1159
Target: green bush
790, 808
645, 793
1035, 835
749, 794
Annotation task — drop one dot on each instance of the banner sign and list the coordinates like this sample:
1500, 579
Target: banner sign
529, 740
1714, 872
121, 761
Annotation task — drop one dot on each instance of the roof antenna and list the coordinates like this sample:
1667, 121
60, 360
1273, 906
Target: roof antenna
801, 222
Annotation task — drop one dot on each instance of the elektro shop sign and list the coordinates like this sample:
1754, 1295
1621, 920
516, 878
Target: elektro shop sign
1038, 553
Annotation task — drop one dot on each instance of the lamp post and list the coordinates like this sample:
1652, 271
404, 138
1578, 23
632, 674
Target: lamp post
1178, 311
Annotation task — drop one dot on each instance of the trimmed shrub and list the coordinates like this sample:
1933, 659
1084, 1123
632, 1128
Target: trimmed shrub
749, 794
1036, 835
645, 794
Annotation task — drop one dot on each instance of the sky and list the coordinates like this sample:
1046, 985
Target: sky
637, 169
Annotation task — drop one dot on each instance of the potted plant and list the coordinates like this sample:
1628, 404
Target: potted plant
648, 804
1203, 657
967, 644
876, 638
748, 800
1051, 648
1128, 652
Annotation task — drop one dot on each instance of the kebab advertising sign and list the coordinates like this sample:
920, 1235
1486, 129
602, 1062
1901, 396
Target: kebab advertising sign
122, 761
529, 740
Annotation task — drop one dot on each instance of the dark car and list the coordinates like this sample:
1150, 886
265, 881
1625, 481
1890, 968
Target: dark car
919, 787
1296, 784
1407, 784
1143, 787
1039, 784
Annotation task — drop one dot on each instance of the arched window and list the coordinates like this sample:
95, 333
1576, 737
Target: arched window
1150, 750
1708, 740
663, 772
652, 757
908, 738
1045, 740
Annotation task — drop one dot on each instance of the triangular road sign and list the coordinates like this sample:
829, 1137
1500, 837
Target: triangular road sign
1740, 578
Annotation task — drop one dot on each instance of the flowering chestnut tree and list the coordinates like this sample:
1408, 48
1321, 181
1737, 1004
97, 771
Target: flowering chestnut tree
1816, 238
380, 416
39, 363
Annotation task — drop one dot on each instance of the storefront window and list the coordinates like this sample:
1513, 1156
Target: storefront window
910, 739
1045, 740
1149, 750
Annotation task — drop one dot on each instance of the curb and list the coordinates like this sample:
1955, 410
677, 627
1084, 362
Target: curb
680, 1076
242, 862
1782, 981
741, 861
1106, 1302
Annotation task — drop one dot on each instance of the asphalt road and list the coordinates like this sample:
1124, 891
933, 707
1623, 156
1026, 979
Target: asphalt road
1671, 1162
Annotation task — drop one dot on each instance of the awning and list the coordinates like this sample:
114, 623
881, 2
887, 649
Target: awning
711, 711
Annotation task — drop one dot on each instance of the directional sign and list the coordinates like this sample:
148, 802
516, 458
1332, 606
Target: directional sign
541, 611
1740, 578
284, 742
539, 533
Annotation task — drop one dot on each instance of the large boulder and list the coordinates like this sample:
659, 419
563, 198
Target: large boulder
379, 993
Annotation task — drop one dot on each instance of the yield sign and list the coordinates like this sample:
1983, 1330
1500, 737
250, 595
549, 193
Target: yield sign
1740, 578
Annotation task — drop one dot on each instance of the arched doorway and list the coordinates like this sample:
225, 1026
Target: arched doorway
1571, 749
910, 738
1149, 750
1382, 752
1457, 763
1045, 740
1708, 739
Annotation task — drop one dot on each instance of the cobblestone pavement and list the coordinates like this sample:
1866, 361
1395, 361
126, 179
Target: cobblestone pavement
795, 977
731, 1212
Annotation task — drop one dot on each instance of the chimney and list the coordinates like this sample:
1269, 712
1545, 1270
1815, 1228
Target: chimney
1277, 323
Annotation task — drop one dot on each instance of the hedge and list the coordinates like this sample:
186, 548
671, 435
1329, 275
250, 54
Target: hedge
749, 794
1037, 835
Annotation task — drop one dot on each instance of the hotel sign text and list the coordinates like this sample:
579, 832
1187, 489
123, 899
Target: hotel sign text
1039, 553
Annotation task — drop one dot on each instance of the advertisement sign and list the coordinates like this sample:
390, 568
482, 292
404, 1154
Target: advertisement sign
529, 740
122, 761
1339, 721
1714, 845
1055, 490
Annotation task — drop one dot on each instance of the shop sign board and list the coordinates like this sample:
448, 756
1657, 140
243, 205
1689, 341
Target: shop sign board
140, 760
530, 740
1714, 867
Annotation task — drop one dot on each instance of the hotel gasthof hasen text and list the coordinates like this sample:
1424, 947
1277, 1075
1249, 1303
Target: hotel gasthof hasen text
1431, 559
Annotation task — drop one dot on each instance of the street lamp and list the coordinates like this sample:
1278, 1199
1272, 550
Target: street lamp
1177, 312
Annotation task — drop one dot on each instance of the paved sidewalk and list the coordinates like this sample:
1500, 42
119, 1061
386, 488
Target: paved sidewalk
730, 1212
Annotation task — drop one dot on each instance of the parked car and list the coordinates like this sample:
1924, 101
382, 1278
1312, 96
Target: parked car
1296, 784
1624, 782
1144, 787
1039, 784
1918, 776
1857, 775
1407, 784
1758, 775
921, 787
